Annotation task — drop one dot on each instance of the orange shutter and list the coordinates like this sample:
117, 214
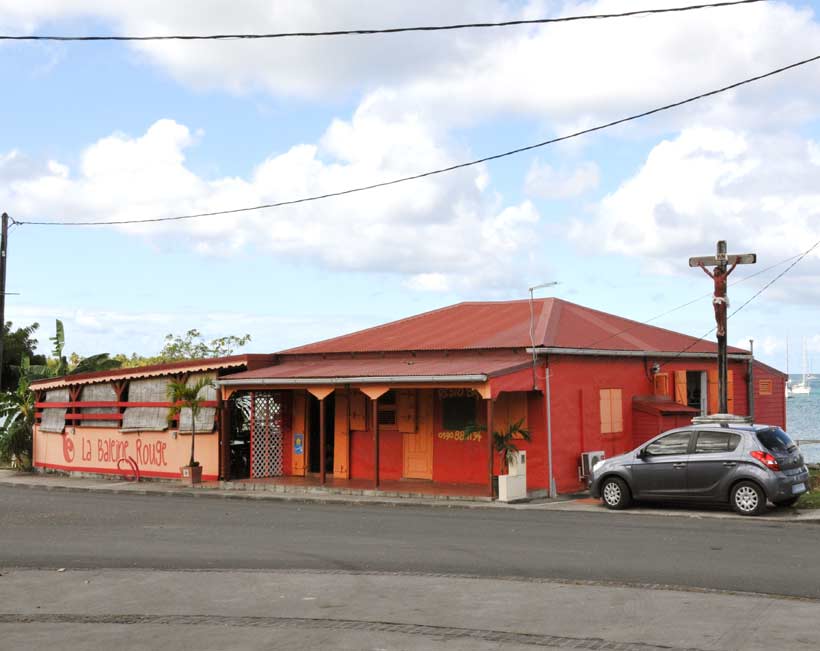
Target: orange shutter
406, 410
662, 385
616, 400
358, 411
298, 421
341, 436
714, 398
606, 412
680, 388
730, 392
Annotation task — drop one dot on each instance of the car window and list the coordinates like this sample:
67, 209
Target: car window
716, 442
676, 443
776, 440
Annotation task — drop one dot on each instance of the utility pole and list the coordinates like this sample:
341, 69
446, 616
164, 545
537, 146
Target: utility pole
720, 300
4, 242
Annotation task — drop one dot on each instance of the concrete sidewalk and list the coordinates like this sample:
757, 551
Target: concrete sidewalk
318, 495
149, 609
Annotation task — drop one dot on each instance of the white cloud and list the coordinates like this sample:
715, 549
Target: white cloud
759, 193
548, 183
549, 73
447, 226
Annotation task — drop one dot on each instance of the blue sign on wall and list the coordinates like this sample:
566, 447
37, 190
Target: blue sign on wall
298, 443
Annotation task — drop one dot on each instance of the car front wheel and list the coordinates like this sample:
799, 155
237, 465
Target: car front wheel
615, 493
748, 498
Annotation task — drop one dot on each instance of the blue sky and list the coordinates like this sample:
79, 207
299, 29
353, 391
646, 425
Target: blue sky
110, 130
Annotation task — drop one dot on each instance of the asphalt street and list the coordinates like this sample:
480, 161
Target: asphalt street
43, 529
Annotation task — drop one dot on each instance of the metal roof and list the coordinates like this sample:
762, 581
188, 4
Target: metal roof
506, 324
154, 370
405, 366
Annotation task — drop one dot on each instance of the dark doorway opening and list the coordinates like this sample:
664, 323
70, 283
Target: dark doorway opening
239, 439
694, 390
314, 447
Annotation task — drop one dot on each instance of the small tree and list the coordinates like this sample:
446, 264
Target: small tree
183, 395
504, 441
17, 417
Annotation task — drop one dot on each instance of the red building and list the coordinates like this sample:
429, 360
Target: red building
390, 405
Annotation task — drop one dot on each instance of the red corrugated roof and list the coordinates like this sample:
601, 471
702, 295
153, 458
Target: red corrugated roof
155, 370
469, 364
506, 324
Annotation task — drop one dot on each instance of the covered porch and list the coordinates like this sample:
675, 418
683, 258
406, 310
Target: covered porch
350, 424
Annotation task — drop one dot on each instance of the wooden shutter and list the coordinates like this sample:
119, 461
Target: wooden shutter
358, 411
299, 427
714, 398
616, 404
730, 392
406, 410
661, 383
341, 437
606, 411
681, 396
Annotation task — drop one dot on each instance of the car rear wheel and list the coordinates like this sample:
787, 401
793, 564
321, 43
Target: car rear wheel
615, 493
788, 502
748, 498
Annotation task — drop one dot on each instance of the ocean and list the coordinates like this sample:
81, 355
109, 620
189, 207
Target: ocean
803, 419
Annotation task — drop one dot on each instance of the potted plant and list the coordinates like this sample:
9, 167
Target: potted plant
182, 395
505, 443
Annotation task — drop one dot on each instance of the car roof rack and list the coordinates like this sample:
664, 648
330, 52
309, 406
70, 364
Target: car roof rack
722, 419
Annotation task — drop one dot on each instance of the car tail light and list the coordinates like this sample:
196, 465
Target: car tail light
766, 459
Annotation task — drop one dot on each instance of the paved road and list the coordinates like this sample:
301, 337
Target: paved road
80, 530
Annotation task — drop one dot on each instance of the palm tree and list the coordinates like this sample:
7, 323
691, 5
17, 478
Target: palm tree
183, 395
17, 418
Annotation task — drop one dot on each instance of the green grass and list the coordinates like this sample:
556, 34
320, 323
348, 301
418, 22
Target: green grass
811, 500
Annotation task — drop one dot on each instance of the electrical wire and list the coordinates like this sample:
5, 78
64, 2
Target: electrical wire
442, 170
753, 297
387, 30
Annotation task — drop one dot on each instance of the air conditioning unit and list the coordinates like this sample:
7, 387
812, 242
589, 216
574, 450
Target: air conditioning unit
588, 460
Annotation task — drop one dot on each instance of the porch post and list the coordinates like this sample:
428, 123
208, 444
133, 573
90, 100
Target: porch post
322, 441
375, 403
224, 436
489, 402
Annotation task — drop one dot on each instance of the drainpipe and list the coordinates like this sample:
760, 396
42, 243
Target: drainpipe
548, 409
750, 386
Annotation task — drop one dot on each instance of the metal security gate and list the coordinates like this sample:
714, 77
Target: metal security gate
267, 416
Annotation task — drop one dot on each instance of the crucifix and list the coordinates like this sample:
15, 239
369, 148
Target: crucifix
720, 275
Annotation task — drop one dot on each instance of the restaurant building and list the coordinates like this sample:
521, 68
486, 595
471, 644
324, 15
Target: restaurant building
405, 406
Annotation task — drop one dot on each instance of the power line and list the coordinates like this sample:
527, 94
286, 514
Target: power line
753, 297
442, 170
387, 30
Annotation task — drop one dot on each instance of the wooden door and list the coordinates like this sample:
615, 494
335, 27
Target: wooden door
418, 445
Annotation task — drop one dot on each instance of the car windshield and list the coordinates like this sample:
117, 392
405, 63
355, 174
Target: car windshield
776, 440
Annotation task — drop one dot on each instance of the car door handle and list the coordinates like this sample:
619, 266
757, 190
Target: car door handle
679, 465
729, 464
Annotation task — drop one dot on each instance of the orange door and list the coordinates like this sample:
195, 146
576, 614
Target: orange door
418, 445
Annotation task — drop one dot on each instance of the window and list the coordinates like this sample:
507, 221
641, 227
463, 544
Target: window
776, 440
677, 443
457, 412
612, 420
387, 410
710, 442
764, 387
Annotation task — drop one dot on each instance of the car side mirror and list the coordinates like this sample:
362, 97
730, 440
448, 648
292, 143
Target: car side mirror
642, 453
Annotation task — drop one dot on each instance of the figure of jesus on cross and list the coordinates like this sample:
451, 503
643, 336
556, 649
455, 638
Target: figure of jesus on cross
720, 300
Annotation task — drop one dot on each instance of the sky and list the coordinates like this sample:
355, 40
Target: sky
113, 131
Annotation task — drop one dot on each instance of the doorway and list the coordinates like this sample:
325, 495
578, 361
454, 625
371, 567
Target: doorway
314, 439
696, 390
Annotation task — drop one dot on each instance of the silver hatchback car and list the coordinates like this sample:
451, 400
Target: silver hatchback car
744, 465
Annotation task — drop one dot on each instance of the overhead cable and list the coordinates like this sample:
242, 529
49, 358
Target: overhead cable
386, 30
442, 170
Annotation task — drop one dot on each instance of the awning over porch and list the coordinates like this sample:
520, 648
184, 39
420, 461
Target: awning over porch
488, 373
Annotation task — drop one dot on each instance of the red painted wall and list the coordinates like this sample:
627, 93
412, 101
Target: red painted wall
770, 409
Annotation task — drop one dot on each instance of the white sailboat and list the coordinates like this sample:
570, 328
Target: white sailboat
802, 388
